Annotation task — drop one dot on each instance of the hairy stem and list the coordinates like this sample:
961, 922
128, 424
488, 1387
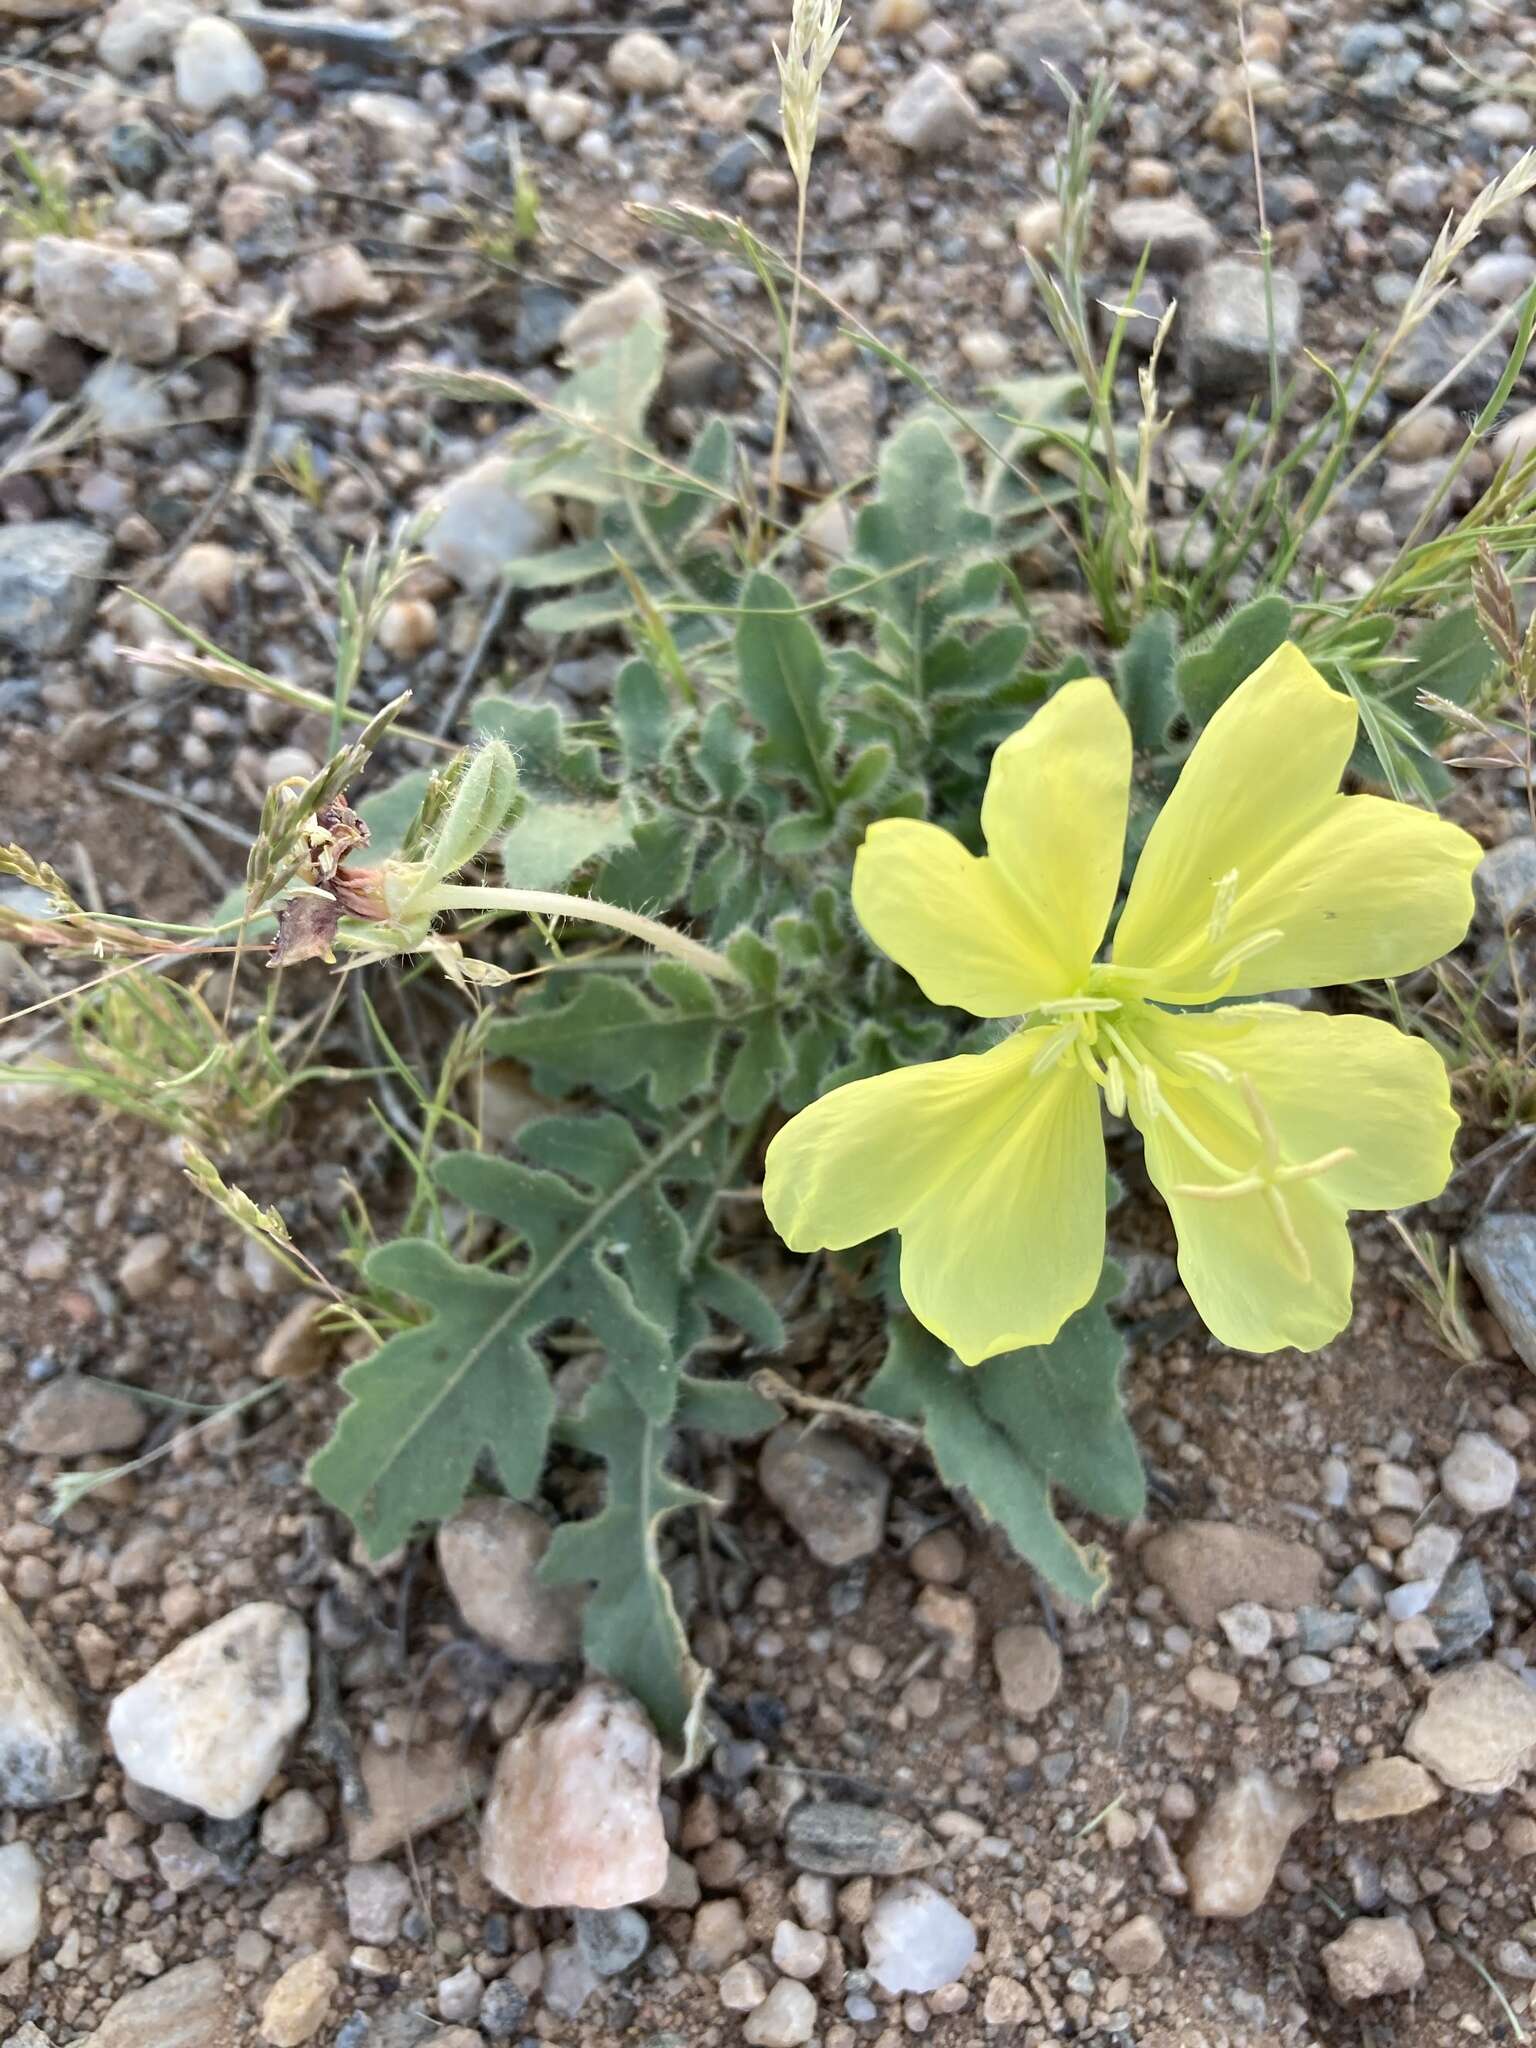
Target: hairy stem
549, 903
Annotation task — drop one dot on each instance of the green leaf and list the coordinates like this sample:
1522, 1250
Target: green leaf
653, 870
1010, 1431
601, 1245
426, 1404
644, 716
1144, 680
783, 678
583, 612
1450, 658
630, 1626
552, 761
914, 538
609, 1034
1211, 670
550, 841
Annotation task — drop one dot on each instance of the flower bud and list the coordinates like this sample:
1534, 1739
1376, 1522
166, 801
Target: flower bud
476, 812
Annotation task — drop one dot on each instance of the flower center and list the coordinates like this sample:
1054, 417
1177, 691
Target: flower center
1101, 1029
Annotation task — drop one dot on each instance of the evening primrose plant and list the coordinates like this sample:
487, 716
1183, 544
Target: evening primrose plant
808, 917
789, 951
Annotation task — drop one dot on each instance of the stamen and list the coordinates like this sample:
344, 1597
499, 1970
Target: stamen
1089, 1064
1313, 1167
1221, 907
1071, 1006
1213, 1069
1263, 1123
1301, 1265
1259, 942
1114, 1085
1250, 1184
1052, 1049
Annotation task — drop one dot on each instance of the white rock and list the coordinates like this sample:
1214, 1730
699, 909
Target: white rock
1176, 235
1516, 439
21, 1900
482, 524
1231, 1862
574, 1817
797, 1951
125, 302
915, 1940
559, 116
1373, 1959
128, 402
398, 125
643, 63
1477, 1729
1429, 1555
188, 2007
294, 1823
1028, 1665
932, 113
1386, 1788
335, 280
45, 1753
378, 1897
210, 1722
1247, 1627
829, 1492
785, 2019
489, 1553
216, 65
1479, 1476
742, 1988
1498, 277
135, 31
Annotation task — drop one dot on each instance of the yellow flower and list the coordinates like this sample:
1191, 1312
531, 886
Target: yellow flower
1264, 1125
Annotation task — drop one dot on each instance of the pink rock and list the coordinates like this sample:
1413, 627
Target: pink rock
574, 1817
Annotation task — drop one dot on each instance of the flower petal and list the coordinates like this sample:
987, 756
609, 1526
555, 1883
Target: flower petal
1260, 1281
951, 921
1326, 1083
1054, 815
998, 935
993, 1174
1256, 840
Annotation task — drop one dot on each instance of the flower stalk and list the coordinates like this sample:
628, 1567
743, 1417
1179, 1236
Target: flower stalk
393, 907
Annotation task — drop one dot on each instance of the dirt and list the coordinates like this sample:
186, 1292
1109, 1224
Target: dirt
1061, 1805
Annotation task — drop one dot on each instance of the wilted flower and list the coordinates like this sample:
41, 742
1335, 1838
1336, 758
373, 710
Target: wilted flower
1264, 1124
394, 907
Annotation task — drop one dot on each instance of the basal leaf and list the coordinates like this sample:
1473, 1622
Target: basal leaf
630, 1628
591, 438
552, 761
551, 841
652, 872
783, 677
423, 1408
1144, 680
609, 1033
601, 1245
1450, 658
1010, 1431
910, 542
1211, 670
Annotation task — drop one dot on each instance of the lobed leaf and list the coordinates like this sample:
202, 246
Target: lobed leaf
1010, 1431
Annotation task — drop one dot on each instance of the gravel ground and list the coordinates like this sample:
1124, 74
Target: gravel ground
1272, 1792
